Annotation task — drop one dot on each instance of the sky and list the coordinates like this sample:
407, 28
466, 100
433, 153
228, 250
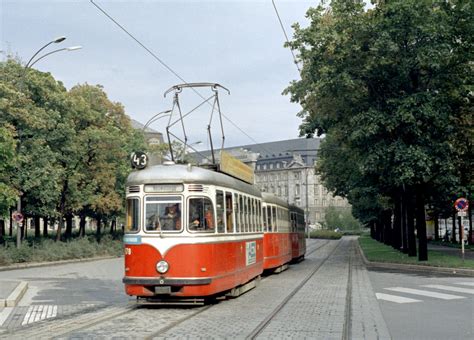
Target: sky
238, 44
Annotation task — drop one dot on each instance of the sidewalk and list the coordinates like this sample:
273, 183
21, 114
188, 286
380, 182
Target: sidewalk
11, 292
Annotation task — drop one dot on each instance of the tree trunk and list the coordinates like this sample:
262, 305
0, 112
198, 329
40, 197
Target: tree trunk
397, 228
372, 229
45, 226
469, 213
98, 231
2, 231
411, 227
387, 226
113, 226
404, 223
37, 227
82, 226
62, 209
421, 225
10, 231
24, 228
436, 226
68, 226
453, 236
460, 230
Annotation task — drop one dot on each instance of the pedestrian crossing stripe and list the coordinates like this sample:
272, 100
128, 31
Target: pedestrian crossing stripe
425, 293
452, 289
394, 298
38, 313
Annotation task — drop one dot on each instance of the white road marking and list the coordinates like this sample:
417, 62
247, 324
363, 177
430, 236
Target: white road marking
425, 293
38, 313
394, 298
465, 283
4, 314
452, 289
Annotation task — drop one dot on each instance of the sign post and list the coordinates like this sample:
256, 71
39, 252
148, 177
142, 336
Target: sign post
461, 205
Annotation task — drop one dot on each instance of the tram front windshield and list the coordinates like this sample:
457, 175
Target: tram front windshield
163, 213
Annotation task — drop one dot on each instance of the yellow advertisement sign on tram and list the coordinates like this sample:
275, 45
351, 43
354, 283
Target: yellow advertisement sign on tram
236, 168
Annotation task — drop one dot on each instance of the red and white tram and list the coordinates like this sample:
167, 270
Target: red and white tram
190, 232
283, 233
193, 233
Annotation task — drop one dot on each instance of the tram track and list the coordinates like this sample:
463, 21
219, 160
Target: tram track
262, 325
97, 320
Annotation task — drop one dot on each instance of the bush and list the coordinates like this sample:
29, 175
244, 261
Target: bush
45, 249
325, 234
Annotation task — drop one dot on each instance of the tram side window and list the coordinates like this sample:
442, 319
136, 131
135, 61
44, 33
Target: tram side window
241, 214
259, 216
201, 215
265, 224
274, 220
220, 211
133, 215
269, 218
229, 206
246, 208
237, 212
252, 214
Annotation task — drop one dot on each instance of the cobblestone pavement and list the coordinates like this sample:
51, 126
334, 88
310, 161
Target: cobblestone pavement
318, 310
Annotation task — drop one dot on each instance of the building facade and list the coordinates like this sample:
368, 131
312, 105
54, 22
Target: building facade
287, 169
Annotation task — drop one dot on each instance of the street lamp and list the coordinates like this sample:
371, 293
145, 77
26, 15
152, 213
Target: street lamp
155, 118
55, 41
72, 48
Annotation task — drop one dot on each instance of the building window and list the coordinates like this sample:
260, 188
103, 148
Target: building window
278, 165
297, 174
264, 167
297, 190
271, 166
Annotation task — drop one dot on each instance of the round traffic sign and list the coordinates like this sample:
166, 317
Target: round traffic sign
461, 204
17, 217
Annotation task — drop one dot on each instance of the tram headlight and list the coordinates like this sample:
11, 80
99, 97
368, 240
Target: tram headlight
162, 266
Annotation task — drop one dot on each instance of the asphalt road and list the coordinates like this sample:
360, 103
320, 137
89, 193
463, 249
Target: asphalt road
421, 306
414, 306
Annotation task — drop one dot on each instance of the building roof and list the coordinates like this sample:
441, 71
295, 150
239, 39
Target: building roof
139, 126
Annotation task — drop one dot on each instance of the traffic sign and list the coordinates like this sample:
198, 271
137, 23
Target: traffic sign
17, 216
461, 204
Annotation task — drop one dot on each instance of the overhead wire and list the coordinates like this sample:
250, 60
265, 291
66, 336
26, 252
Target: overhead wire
168, 67
286, 37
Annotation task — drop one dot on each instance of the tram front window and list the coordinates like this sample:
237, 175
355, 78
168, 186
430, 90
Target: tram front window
163, 213
201, 214
133, 215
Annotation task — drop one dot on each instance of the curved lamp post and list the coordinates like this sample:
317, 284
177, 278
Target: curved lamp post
72, 48
55, 41
155, 118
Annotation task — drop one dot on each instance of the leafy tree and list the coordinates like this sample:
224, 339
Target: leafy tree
389, 87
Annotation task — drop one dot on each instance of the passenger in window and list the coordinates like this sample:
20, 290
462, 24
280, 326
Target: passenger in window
153, 222
172, 219
209, 219
195, 223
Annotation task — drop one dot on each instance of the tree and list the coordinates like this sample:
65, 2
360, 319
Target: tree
388, 87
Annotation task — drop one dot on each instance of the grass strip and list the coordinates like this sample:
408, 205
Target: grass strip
378, 252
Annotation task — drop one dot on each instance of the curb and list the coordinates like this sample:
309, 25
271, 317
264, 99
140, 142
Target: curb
15, 295
414, 268
53, 263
